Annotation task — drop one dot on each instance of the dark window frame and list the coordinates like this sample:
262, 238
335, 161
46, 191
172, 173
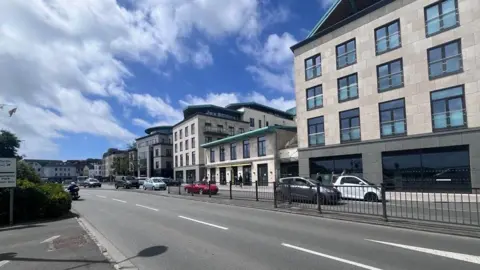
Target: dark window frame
440, 11
465, 125
246, 145
233, 151
263, 147
193, 158
390, 75
315, 65
187, 159
392, 116
212, 155
222, 153
348, 80
388, 37
314, 88
316, 129
346, 53
442, 46
350, 125
252, 122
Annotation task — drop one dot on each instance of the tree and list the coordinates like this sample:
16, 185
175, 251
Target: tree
25, 171
120, 165
132, 145
9, 144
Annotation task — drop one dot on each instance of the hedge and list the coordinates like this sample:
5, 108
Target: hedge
35, 201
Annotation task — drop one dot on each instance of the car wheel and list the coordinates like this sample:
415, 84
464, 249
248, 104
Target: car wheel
371, 197
116, 187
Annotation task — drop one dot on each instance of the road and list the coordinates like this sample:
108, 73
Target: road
195, 235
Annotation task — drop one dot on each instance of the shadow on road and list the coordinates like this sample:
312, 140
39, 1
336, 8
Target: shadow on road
21, 227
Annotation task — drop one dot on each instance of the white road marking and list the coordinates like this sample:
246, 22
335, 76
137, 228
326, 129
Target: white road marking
446, 254
364, 266
100, 196
204, 223
50, 239
139, 205
119, 200
2, 263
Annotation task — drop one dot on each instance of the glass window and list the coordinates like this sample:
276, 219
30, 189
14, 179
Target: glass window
241, 130
392, 118
346, 54
266, 124
313, 67
252, 122
181, 146
445, 59
347, 88
192, 129
187, 159
387, 37
390, 75
176, 148
350, 125
231, 130
314, 97
193, 158
441, 16
156, 152
193, 142
316, 134
180, 132
259, 123
222, 153
186, 144
262, 147
233, 151
246, 149
208, 139
186, 131
212, 155
448, 108
175, 135
157, 165
325, 166
181, 160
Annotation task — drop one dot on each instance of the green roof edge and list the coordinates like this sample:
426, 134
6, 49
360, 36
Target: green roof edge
324, 17
247, 134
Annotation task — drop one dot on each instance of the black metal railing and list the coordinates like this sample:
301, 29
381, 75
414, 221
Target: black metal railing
218, 130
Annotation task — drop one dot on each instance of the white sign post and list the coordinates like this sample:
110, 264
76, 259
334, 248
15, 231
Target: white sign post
8, 179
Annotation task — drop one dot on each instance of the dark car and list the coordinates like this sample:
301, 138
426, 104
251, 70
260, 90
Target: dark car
126, 182
171, 182
305, 190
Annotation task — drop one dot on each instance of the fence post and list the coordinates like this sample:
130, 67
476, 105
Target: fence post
289, 193
179, 189
230, 189
319, 199
209, 190
384, 201
274, 194
168, 189
256, 190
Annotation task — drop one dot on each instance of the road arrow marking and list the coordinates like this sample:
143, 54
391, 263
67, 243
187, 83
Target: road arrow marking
446, 254
50, 239
2, 263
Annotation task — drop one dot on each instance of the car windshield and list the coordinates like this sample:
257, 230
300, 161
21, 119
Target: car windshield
93, 180
157, 180
366, 181
130, 178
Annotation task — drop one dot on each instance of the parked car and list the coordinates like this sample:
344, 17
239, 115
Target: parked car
201, 187
91, 182
355, 187
126, 182
171, 182
81, 183
305, 189
141, 180
154, 183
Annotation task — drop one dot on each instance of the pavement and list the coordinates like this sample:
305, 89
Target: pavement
56, 245
161, 232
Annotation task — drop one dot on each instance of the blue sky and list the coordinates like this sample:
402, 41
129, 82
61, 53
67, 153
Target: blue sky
95, 76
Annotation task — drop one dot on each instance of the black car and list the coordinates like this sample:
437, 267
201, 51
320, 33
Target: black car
305, 190
91, 183
126, 182
171, 182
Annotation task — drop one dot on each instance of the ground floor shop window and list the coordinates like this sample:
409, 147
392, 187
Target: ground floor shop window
179, 176
223, 176
430, 169
191, 176
262, 173
247, 175
323, 168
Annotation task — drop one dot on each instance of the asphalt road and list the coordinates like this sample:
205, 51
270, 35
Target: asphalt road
186, 234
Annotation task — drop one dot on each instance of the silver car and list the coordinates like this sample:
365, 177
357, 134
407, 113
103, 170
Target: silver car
154, 183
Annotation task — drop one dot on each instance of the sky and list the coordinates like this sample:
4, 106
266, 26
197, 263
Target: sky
87, 75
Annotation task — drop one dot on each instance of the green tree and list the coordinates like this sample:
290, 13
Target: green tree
9, 144
25, 171
132, 145
120, 165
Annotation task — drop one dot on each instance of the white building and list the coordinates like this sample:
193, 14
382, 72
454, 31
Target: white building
59, 171
154, 152
206, 123
108, 158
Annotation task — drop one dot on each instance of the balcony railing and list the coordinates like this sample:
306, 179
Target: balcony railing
350, 134
217, 130
393, 128
449, 119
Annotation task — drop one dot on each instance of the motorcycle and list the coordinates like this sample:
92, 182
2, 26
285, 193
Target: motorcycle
74, 193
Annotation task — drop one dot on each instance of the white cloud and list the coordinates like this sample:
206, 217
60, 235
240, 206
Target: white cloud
279, 103
220, 99
281, 81
141, 123
62, 61
276, 52
325, 3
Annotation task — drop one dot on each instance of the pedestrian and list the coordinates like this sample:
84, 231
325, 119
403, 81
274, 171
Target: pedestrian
240, 180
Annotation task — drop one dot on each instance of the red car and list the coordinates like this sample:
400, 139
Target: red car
201, 188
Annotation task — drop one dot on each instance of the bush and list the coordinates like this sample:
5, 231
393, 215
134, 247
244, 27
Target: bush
35, 201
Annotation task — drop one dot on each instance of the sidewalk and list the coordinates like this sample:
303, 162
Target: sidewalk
57, 245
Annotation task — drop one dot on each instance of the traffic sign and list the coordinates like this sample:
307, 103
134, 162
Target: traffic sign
8, 172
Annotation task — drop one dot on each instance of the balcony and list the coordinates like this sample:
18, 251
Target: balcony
218, 131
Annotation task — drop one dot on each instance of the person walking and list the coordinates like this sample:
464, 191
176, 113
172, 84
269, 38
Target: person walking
240, 180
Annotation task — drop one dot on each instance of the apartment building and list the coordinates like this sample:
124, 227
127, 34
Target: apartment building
154, 152
108, 158
391, 90
60, 171
261, 155
206, 123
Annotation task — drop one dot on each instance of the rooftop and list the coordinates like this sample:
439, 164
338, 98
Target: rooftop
340, 13
159, 129
248, 134
260, 107
210, 110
